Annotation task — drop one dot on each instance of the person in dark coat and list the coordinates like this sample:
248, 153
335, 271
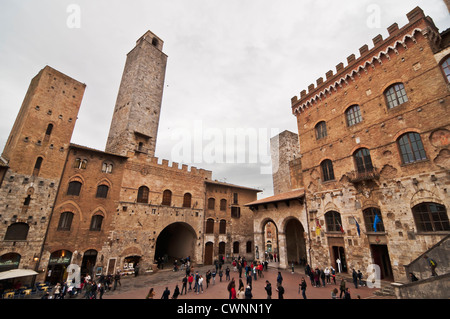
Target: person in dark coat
166, 294
268, 289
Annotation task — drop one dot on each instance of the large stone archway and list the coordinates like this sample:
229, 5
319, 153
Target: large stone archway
176, 241
289, 217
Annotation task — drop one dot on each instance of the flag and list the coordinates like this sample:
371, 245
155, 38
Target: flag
318, 227
340, 226
357, 227
375, 222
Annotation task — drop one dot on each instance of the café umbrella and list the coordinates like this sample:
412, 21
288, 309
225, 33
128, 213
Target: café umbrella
14, 273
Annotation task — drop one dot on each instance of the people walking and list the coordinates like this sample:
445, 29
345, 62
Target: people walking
432, 263
280, 290
355, 278
342, 287
268, 289
303, 288
184, 286
151, 294
166, 294
176, 292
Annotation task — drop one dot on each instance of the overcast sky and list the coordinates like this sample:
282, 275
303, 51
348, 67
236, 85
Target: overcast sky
232, 65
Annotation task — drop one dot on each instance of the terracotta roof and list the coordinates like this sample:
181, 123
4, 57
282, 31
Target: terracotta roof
279, 197
231, 185
94, 150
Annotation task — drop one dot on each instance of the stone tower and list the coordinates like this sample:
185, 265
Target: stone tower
134, 126
285, 149
40, 137
35, 153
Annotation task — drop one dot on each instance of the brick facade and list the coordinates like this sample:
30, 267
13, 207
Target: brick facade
110, 209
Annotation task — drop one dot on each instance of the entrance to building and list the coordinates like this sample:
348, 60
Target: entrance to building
338, 253
380, 256
57, 266
88, 263
270, 240
295, 242
176, 241
209, 251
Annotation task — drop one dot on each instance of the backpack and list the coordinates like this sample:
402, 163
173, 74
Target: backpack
432, 262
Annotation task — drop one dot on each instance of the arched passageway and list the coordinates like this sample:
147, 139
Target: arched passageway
176, 241
295, 242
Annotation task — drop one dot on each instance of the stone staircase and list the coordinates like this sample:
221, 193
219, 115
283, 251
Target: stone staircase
427, 286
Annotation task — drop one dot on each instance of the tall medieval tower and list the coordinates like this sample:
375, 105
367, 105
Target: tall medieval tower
35, 153
134, 126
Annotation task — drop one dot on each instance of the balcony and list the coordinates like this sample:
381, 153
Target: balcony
363, 175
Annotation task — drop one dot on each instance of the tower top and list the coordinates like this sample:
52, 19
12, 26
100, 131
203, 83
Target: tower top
150, 37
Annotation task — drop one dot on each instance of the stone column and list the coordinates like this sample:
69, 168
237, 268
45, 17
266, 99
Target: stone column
282, 251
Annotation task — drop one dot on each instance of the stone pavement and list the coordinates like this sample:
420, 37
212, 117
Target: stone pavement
138, 287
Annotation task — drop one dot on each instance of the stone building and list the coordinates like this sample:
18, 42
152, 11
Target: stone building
375, 151
370, 182
102, 211
32, 164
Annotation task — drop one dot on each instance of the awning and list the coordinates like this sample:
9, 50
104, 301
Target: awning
14, 273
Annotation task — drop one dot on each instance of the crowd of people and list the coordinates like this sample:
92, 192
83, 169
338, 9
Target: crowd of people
248, 272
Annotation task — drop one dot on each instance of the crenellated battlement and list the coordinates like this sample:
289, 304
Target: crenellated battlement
418, 23
144, 166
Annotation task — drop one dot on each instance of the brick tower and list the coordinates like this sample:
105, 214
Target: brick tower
35, 154
134, 126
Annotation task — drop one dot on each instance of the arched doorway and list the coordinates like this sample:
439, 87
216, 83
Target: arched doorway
295, 242
270, 240
57, 266
88, 263
209, 253
176, 241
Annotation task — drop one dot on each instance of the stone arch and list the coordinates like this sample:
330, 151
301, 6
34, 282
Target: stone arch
177, 240
422, 196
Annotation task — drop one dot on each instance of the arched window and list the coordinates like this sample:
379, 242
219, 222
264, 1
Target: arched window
142, 196
411, 148
37, 166
445, 66
223, 204
80, 163
333, 221
369, 219
327, 170
222, 226
430, 217
17, 231
395, 95
187, 199
321, 130
74, 188
167, 198
96, 223
211, 203
353, 115
65, 221
363, 160
209, 226
107, 168
102, 191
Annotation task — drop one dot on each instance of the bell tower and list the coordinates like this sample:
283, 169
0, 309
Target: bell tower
134, 126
